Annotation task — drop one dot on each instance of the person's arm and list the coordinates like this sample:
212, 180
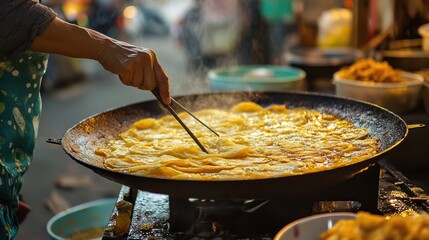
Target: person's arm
135, 66
20, 22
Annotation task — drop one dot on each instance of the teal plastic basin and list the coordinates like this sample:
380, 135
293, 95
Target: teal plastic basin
257, 77
81, 217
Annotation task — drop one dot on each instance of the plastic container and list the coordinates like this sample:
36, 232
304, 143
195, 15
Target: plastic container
257, 77
311, 227
277, 11
90, 215
396, 97
335, 28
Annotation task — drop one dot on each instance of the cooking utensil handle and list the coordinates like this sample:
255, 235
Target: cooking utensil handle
186, 128
171, 110
54, 140
189, 112
417, 125
158, 96
155, 92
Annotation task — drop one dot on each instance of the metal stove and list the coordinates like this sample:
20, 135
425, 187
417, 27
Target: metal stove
381, 189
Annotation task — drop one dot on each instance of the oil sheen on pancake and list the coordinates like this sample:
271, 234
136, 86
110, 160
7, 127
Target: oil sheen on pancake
255, 142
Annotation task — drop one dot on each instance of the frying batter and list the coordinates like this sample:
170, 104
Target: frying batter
255, 142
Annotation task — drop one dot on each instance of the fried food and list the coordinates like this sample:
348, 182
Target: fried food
91, 233
371, 71
369, 226
254, 143
122, 219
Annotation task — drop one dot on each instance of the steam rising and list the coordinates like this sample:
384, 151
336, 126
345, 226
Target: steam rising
224, 100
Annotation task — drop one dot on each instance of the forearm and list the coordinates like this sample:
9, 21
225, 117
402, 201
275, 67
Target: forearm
71, 40
136, 66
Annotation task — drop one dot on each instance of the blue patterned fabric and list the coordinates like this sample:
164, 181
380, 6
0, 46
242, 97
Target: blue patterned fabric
20, 106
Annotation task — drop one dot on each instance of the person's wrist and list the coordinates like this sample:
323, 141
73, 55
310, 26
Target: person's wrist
101, 50
99, 44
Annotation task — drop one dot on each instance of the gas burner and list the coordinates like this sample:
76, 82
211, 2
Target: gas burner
155, 216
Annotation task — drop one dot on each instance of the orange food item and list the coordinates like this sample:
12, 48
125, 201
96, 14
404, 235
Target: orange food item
255, 142
370, 70
368, 226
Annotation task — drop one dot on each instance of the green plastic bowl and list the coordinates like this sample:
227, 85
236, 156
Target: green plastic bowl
85, 216
257, 77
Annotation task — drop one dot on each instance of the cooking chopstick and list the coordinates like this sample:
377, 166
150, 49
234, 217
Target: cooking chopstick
186, 110
171, 110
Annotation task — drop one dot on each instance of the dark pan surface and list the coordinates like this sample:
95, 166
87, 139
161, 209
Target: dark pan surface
84, 138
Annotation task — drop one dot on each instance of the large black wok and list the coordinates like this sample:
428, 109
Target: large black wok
81, 140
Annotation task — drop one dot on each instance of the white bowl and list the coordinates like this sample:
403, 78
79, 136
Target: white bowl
397, 97
310, 228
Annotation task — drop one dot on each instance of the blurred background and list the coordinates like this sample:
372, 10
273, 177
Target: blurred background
192, 39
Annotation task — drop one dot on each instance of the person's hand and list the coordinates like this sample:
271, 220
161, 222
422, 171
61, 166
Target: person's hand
136, 66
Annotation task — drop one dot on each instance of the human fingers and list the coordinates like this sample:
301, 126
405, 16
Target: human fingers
149, 80
162, 81
126, 78
138, 74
